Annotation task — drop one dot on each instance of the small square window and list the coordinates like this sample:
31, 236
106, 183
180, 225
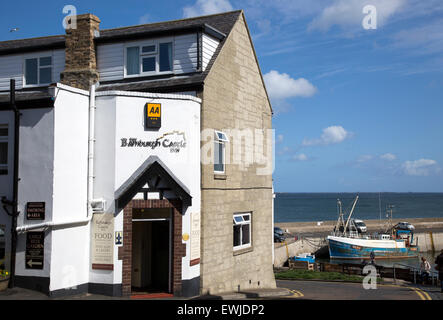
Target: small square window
45, 61
45, 75
3, 131
148, 49
221, 136
149, 64
238, 219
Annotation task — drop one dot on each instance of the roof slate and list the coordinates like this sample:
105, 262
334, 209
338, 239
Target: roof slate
223, 22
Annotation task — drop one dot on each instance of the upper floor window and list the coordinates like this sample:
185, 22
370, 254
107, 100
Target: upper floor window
3, 149
220, 141
38, 70
149, 59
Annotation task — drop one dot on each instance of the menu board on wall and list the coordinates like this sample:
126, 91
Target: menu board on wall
102, 241
195, 238
35, 249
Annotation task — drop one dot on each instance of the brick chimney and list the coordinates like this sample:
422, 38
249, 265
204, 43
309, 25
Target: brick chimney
80, 53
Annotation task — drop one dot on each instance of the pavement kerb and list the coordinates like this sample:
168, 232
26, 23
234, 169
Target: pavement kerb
249, 294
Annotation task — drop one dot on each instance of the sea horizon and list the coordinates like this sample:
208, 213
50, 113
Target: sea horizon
322, 206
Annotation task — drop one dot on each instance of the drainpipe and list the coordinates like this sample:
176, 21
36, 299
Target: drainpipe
15, 211
91, 141
90, 193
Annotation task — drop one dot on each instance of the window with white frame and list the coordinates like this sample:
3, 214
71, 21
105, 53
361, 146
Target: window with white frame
242, 230
149, 59
220, 140
3, 149
38, 71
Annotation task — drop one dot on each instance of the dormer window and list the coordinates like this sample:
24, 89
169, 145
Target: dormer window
38, 71
149, 59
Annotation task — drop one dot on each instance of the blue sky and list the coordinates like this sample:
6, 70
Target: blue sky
355, 109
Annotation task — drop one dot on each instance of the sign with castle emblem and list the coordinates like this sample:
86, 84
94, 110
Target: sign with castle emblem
153, 113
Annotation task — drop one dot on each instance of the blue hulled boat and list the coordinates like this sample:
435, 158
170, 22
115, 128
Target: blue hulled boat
345, 243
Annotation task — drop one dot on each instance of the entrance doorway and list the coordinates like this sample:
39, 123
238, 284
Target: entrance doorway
151, 253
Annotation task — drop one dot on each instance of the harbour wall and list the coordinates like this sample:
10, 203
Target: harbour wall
430, 241
283, 251
427, 241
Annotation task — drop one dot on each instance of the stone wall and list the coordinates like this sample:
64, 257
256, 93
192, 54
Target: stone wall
283, 252
234, 97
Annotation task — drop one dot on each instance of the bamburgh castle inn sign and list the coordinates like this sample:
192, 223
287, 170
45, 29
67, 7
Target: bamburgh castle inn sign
174, 141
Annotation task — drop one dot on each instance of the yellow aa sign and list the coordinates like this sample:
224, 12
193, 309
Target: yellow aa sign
153, 115
154, 110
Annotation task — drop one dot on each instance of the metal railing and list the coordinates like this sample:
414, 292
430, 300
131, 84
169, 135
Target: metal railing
416, 271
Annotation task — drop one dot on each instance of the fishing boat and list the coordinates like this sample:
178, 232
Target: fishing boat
304, 257
346, 242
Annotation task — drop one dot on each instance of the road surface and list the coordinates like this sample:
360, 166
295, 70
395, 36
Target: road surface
319, 290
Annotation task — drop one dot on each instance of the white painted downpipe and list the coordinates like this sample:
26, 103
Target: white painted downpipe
91, 140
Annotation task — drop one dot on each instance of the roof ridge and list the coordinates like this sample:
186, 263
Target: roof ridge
176, 20
36, 38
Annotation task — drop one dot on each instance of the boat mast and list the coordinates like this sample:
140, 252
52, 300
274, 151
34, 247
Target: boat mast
350, 214
340, 220
389, 210
379, 205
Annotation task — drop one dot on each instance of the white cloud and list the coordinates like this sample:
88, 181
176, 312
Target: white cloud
281, 86
364, 158
388, 156
205, 7
348, 14
421, 167
330, 135
279, 138
300, 157
144, 19
424, 39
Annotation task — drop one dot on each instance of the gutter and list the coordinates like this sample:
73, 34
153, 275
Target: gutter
90, 187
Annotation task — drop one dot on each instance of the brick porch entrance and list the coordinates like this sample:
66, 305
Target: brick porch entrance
178, 248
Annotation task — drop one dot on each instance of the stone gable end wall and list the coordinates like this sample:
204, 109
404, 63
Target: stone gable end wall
234, 97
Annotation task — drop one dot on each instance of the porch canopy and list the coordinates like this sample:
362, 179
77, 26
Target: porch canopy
159, 178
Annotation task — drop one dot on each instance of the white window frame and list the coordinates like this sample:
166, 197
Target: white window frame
4, 166
155, 54
38, 56
223, 141
241, 223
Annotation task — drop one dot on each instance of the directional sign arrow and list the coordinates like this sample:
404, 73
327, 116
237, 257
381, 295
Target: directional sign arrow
33, 263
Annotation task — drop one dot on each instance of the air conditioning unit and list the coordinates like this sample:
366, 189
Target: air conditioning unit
98, 205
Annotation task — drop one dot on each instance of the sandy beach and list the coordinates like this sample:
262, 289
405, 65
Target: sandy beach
322, 227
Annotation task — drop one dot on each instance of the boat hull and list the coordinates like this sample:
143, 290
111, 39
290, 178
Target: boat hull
346, 248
